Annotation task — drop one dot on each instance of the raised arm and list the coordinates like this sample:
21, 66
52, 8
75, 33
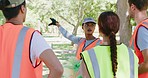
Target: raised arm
69, 36
65, 33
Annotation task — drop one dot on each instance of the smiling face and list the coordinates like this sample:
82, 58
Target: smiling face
89, 28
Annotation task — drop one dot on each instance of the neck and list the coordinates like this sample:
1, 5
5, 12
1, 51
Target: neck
106, 41
16, 21
89, 37
140, 16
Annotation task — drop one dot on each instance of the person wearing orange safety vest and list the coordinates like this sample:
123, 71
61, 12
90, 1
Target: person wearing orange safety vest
86, 43
23, 49
110, 59
139, 39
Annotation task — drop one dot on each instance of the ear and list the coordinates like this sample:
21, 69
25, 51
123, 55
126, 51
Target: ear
23, 9
133, 7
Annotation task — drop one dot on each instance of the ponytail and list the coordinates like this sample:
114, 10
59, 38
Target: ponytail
109, 24
113, 50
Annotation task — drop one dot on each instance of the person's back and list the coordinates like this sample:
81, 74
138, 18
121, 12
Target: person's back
110, 60
127, 62
14, 52
21, 52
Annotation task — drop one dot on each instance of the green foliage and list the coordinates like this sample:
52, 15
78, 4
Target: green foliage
97, 8
1, 18
73, 64
71, 11
132, 22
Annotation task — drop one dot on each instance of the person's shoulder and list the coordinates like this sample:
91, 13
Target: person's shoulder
143, 28
37, 34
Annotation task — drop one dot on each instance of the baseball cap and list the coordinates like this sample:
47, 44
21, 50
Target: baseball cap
14, 3
89, 19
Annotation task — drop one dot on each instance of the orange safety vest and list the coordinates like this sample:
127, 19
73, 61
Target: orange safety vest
81, 45
15, 59
136, 48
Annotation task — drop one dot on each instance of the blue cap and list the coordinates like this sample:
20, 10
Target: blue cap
86, 20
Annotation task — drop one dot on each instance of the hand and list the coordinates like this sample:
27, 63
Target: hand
54, 22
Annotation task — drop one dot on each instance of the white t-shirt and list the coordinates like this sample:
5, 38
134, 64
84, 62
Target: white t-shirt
38, 45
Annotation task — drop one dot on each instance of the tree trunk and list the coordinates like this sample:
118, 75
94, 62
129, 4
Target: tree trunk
125, 31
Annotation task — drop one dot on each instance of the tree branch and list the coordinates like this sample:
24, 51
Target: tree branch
66, 20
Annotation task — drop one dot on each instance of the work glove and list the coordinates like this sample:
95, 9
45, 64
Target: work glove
53, 21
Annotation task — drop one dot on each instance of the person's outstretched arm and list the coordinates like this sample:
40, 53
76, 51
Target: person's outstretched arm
67, 35
64, 32
52, 62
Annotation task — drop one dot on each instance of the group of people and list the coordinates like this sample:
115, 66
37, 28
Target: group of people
23, 49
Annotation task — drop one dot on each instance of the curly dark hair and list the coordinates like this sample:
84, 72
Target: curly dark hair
109, 23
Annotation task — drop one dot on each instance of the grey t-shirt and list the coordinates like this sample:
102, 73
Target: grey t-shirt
142, 38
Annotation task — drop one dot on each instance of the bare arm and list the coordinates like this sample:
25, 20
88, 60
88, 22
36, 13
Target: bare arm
52, 62
143, 68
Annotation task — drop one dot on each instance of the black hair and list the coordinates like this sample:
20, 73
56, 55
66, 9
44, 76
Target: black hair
109, 23
140, 4
10, 12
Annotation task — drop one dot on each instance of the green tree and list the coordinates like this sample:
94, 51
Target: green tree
73, 12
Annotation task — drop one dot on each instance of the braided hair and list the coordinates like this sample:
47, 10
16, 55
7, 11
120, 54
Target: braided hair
109, 23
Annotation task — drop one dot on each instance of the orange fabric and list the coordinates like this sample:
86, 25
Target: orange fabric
81, 45
145, 75
8, 39
137, 50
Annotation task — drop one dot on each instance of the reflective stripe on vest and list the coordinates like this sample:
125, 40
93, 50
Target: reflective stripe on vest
9, 45
95, 64
18, 53
92, 63
131, 56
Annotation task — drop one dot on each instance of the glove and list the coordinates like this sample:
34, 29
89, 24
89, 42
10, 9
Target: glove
53, 21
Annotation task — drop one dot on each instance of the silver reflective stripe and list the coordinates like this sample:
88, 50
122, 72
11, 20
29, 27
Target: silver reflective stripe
95, 64
131, 56
18, 53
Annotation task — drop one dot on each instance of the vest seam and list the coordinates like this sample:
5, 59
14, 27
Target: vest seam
30, 51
